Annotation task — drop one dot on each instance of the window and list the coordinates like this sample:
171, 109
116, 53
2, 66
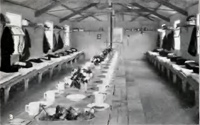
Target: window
67, 36
118, 35
177, 39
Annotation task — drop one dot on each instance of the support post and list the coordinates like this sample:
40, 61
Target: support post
51, 73
174, 78
26, 82
6, 96
111, 30
40, 77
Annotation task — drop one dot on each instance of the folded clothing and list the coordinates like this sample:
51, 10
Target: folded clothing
69, 51
180, 61
173, 59
186, 71
190, 65
176, 67
63, 53
52, 55
164, 53
38, 60
73, 49
196, 69
23, 64
193, 66
45, 58
10, 69
157, 50
171, 55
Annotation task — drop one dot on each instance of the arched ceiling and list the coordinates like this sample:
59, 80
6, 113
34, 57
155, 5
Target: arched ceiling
125, 10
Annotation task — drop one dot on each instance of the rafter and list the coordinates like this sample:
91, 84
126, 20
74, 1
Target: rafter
151, 11
173, 7
146, 16
78, 11
16, 3
86, 16
68, 8
138, 13
134, 18
46, 8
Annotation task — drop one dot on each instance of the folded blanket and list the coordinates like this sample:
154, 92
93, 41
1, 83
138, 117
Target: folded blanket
45, 58
186, 71
190, 65
173, 59
196, 69
52, 56
23, 64
164, 53
35, 60
180, 61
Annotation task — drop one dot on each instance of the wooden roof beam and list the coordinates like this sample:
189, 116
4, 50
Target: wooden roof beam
151, 11
134, 18
86, 16
139, 14
63, 5
46, 8
78, 11
95, 17
173, 7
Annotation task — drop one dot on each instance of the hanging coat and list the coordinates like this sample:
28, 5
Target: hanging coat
55, 43
164, 42
7, 42
25, 53
170, 45
60, 42
46, 46
168, 41
7, 48
158, 41
192, 49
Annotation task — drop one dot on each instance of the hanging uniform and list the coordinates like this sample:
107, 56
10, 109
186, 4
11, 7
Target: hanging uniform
164, 42
60, 42
46, 46
25, 54
158, 41
7, 49
170, 45
55, 43
192, 49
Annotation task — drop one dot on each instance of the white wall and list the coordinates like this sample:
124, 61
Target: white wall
88, 42
185, 32
36, 35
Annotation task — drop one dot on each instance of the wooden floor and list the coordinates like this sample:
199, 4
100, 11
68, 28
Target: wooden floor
143, 97
140, 97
